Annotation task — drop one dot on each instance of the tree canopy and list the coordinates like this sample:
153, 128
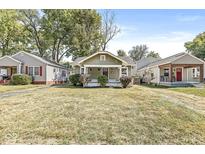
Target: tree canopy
12, 34
138, 52
121, 53
153, 54
197, 46
141, 51
52, 34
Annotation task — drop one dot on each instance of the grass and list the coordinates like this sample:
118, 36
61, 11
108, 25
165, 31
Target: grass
152, 85
8, 88
63, 115
192, 90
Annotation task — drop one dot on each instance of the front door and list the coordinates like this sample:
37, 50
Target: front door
179, 74
105, 71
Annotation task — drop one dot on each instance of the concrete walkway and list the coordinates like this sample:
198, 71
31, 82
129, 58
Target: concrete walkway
23, 91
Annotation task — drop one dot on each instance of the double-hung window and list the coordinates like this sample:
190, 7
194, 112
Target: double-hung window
124, 71
34, 71
102, 58
196, 72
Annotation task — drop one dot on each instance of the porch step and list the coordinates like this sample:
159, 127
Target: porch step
96, 84
199, 85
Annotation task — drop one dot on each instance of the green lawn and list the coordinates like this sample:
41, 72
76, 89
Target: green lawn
193, 91
136, 115
8, 88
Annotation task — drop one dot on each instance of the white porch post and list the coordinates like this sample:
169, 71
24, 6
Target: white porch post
127, 71
120, 72
19, 69
158, 75
85, 70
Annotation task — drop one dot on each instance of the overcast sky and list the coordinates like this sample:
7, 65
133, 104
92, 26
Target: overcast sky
164, 31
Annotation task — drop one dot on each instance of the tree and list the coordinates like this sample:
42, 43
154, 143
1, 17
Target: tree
197, 46
86, 37
121, 53
59, 33
57, 26
109, 29
153, 54
32, 21
138, 52
12, 35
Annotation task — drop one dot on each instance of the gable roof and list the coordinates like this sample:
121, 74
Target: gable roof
126, 59
167, 59
49, 62
170, 59
77, 60
146, 61
11, 59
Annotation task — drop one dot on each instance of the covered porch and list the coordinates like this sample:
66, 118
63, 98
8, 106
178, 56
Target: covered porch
184, 74
113, 73
8, 67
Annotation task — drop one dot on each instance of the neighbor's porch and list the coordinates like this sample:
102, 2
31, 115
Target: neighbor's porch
6, 72
176, 74
113, 73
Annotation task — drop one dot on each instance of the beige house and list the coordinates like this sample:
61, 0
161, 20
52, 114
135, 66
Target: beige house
182, 68
104, 63
41, 70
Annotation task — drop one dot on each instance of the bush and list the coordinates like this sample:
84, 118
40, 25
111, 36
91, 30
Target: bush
125, 81
75, 79
20, 79
102, 80
84, 79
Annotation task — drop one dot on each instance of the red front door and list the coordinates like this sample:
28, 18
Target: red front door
179, 74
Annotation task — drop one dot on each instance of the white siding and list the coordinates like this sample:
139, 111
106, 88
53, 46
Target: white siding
187, 59
55, 75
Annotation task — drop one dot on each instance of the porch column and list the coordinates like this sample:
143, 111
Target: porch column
85, 70
120, 72
158, 71
80, 70
19, 69
201, 73
170, 72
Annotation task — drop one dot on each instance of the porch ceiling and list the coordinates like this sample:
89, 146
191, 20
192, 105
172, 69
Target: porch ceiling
102, 66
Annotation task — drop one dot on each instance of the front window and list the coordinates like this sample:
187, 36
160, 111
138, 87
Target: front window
36, 70
195, 72
82, 70
166, 72
33, 71
63, 73
124, 71
30, 71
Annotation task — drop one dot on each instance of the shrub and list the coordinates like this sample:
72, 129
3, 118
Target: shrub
75, 79
102, 80
125, 81
20, 79
84, 79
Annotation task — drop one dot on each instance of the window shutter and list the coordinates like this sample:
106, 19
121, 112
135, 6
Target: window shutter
41, 71
26, 70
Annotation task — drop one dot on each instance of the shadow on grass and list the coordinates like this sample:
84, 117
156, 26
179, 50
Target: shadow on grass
154, 86
81, 87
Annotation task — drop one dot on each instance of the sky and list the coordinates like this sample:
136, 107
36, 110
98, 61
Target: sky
163, 31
